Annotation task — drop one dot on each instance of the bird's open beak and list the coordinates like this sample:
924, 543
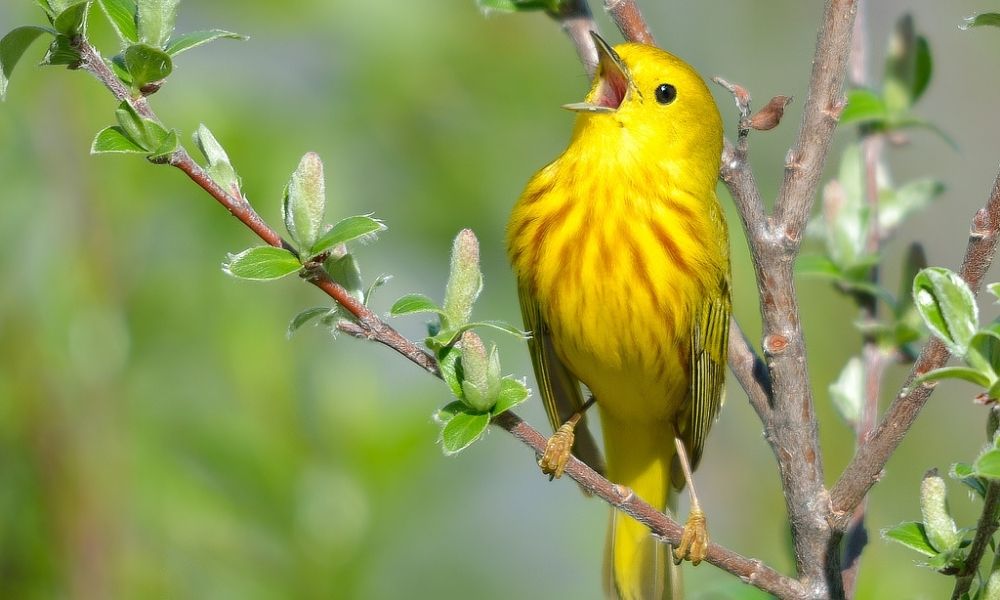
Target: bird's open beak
612, 85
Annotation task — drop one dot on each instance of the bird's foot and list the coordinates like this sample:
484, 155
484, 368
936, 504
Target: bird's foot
694, 539
557, 451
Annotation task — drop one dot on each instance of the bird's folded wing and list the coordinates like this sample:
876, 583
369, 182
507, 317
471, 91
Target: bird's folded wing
709, 347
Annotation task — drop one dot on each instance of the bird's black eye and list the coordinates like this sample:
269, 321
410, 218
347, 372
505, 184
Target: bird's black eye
665, 93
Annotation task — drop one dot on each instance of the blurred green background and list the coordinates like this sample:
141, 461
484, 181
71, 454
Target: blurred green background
161, 438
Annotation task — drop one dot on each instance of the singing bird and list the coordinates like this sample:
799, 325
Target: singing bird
621, 255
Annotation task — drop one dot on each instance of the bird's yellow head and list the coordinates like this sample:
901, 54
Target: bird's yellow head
646, 104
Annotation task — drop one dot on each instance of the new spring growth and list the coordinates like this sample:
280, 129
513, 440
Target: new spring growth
464, 282
305, 202
219, 168
940, 527
481, 381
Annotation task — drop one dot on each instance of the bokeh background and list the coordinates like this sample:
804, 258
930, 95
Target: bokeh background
161, 438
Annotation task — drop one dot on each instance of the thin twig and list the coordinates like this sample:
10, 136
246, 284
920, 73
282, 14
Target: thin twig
628, 18
866, 466
988, 523
577, 22
751, 571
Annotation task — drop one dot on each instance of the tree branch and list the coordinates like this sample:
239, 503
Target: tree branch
628, 18
866, 466
577, 22
988, 523
751, 571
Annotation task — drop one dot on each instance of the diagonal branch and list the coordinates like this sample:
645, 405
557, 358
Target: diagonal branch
866, 467
749, 570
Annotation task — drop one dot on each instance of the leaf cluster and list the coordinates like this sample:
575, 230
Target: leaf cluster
472, 372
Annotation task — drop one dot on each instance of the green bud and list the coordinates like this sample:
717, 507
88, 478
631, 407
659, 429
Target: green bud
481, 373
940, 527
305, 202
219, 168
465, 280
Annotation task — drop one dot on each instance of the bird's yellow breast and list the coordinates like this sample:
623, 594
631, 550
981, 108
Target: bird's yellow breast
617, 257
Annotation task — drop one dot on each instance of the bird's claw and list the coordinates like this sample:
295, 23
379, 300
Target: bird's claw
694, 539
557, 451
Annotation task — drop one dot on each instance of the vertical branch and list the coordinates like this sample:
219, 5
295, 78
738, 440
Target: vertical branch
577, 22
628, 18
873, 359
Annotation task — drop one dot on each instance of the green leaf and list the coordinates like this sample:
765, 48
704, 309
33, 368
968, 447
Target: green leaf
114, 140
304, 205
166, 147
12, 48
131, 123
305, 316
988, 464
964, 373
346, 272
449, 362
896, 205
147, 64
984, 353
462, 430
863, 106
947, 306
512, 393
155, 20
816, 265
508, 6
262, 263
414, 303
352, 228
62, 52
924, 68
186, 41
981, 20
219, 168
446, 337
964, 473
379, 282
911, 535
847, 392
900, 66
122, 15
445, 413
73, 19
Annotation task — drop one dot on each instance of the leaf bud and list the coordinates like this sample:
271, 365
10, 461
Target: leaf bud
305, 202
465, 280
940, 527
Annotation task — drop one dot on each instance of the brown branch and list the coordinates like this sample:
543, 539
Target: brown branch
824, 103
866, 466
577, 22
751, 571
628, 18
988, 523
750, 371
377, 329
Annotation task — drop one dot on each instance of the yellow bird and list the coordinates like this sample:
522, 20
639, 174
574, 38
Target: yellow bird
621, 255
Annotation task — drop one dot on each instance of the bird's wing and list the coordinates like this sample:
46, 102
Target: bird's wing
709, 347
560, 389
